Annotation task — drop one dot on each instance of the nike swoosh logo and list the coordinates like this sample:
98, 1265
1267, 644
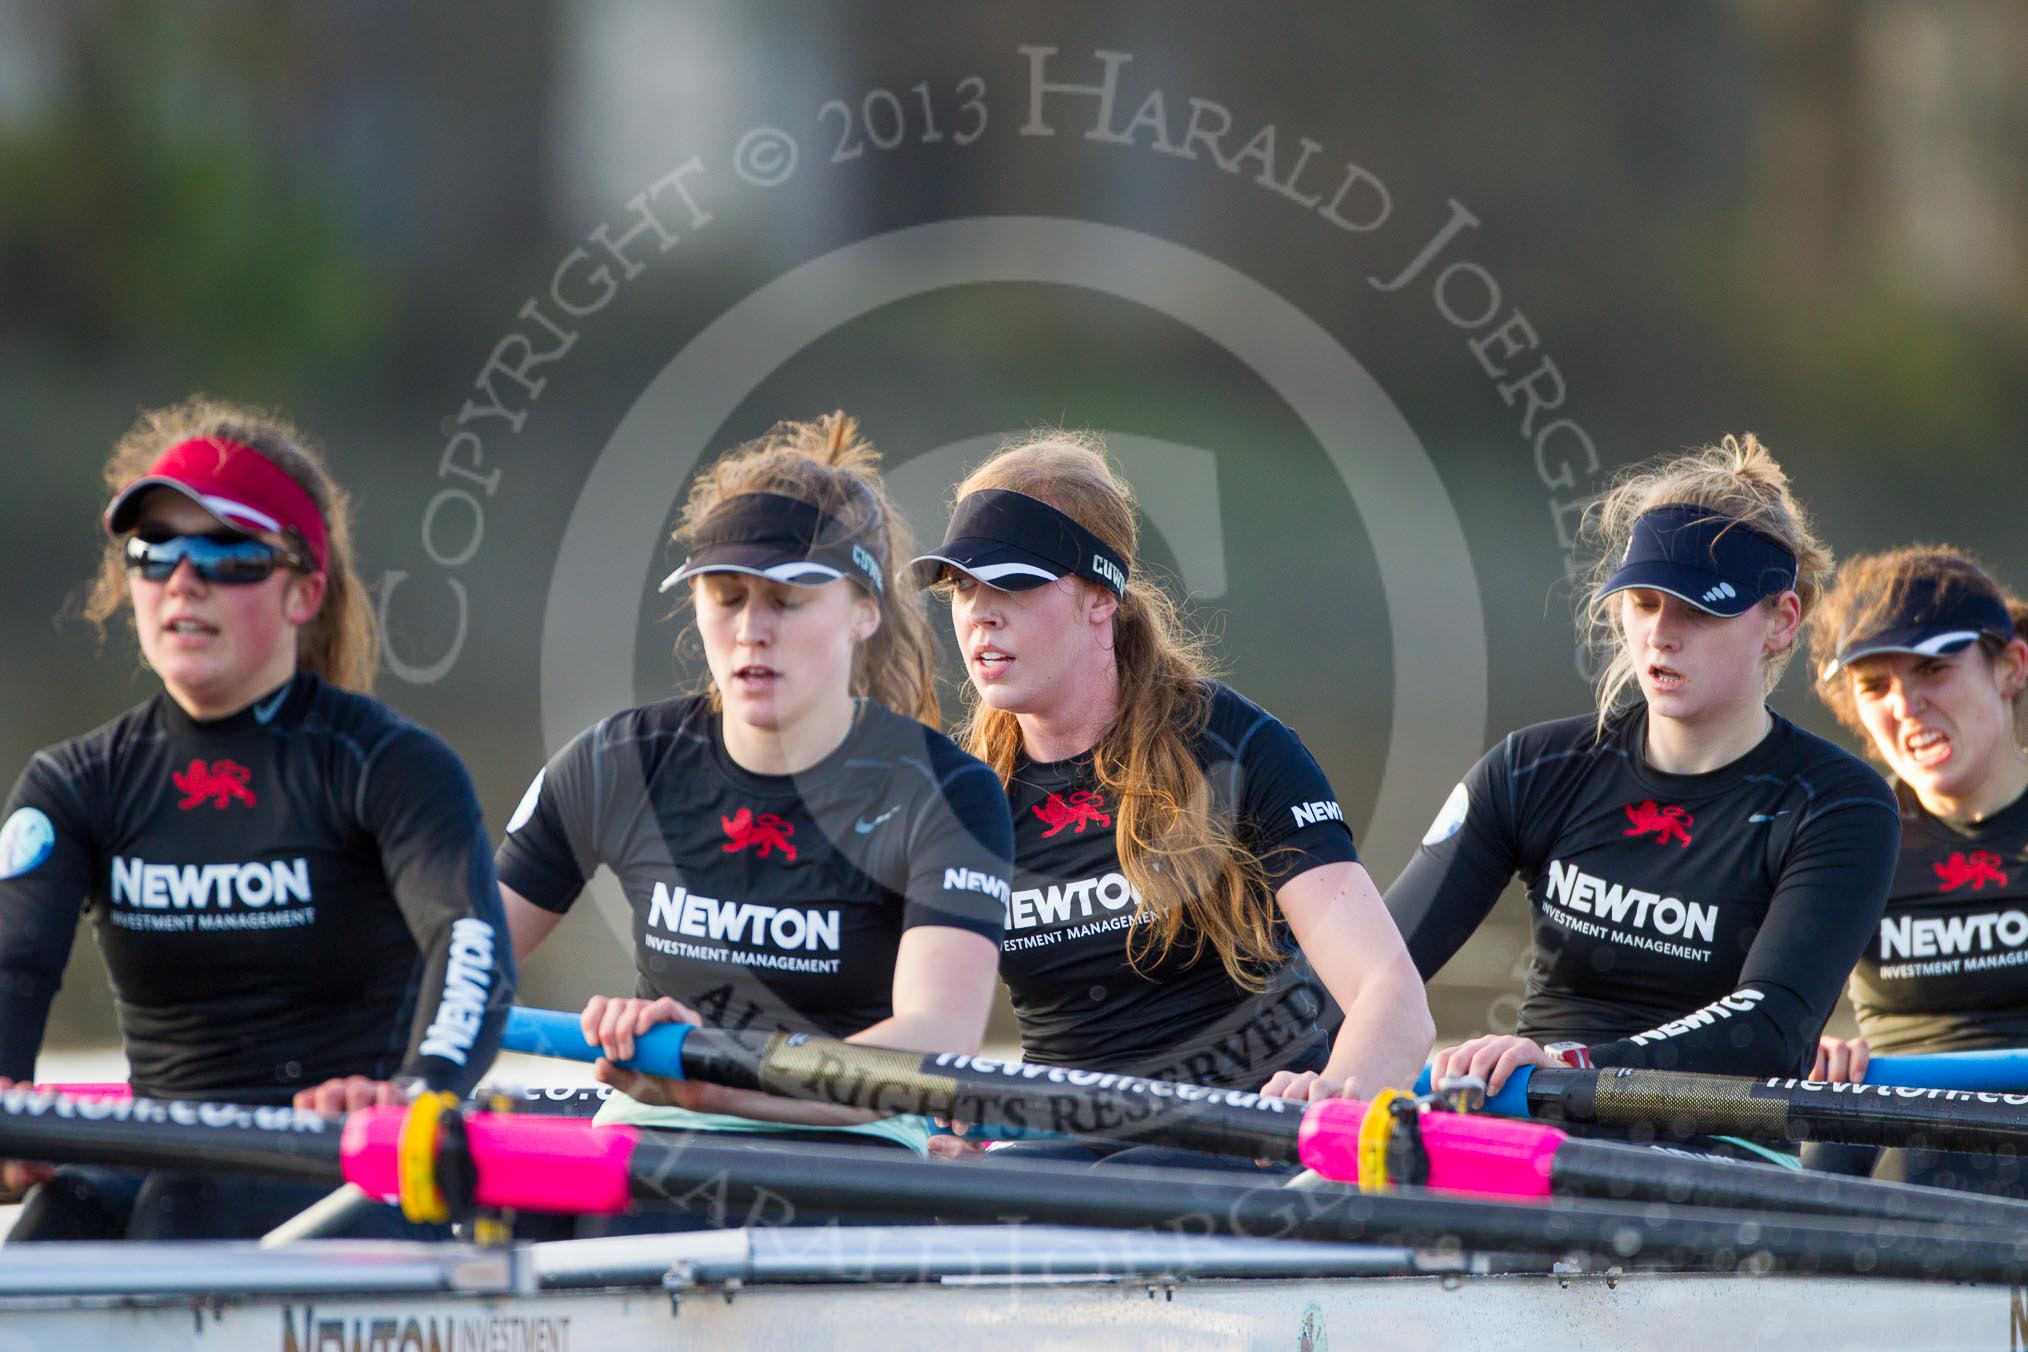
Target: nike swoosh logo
863, 827
1759, 817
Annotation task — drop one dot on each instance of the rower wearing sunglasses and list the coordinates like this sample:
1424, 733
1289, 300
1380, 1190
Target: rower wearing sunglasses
292, 886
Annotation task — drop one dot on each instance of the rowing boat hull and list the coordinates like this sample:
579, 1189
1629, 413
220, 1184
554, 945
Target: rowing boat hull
739, 1290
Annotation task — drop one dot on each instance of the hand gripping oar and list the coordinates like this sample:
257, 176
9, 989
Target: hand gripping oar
940, 1084
428, 1152
1341, 1139
1767, 1110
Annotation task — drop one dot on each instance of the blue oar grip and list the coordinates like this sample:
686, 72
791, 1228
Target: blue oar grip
552, 1032
1511, 1101
2003, 1071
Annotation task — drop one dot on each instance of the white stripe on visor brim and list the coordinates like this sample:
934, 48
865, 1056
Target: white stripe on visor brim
1945, 643
1936, 645
796, 572
225, 509
992, 573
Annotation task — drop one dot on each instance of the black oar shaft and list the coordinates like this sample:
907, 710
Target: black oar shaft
735, 1186
1013, 1094
1632, 1173
1782, 1110
275, 1142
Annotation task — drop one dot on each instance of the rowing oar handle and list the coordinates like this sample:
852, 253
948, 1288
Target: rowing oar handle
1511, 1101
552, 1032
2004, 1071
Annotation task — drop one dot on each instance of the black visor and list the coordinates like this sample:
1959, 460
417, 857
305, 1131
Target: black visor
1716, 563
780, 538
1927, 624
1012, 542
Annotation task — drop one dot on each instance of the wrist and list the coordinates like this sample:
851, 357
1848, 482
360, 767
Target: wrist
1573, 1054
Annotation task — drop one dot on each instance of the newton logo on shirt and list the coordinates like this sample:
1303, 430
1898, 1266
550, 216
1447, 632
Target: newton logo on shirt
1322, 810
185, 887
786, 928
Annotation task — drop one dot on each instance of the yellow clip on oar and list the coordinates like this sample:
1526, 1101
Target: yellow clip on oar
416, 1154
1376, 1133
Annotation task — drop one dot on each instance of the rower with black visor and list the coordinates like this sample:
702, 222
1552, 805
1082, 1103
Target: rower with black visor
800, 847
1701, 871
1920, 652
1187, 903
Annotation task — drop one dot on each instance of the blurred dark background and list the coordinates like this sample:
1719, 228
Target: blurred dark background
1799, 217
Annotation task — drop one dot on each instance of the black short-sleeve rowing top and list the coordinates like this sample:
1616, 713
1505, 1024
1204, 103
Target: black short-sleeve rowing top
1948, 969
770, 901
1065, 958
1693, 922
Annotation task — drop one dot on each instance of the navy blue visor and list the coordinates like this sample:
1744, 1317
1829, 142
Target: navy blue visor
780, 538
1711, 560
1012, 542
1930, 622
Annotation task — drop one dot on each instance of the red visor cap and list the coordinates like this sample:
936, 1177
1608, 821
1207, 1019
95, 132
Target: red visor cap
236, 484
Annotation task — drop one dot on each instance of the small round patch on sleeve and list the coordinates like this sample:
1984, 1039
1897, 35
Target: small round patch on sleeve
1451, 819
526, 808
25, 841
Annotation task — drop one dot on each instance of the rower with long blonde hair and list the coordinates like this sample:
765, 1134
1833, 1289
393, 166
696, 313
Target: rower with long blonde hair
1186, 891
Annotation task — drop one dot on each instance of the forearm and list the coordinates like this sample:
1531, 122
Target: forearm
923, 1032
1386, 1034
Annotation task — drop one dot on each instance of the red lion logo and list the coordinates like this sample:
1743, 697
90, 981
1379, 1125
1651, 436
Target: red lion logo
1970, 870
221, 782
766, 833
1077, 811
1666, 823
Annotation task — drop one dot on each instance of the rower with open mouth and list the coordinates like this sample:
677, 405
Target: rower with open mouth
800, 847
1702, 872
292, 885
1920, 652
1186, 889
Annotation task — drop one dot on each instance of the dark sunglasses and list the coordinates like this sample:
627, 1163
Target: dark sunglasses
222, 556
